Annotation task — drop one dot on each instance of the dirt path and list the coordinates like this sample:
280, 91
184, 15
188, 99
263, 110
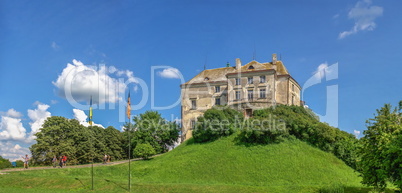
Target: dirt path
73, 166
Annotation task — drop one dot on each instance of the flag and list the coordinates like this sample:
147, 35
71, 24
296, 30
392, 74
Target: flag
128, 106
90, 112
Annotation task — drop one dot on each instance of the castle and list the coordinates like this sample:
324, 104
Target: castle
252, 86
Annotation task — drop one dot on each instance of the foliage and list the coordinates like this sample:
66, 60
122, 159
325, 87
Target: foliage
61, 136
381, 151
216, 123
152, 129
4, 163
263, 131
19, 163
144, 151
284, 121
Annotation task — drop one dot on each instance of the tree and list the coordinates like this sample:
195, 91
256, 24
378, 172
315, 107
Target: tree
381, 148
61, 136
144, 150
114, 142
58, 136
4, 163
150, 128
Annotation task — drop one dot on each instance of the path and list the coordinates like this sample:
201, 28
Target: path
72, 166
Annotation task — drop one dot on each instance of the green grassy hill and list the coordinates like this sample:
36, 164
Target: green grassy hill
219, 166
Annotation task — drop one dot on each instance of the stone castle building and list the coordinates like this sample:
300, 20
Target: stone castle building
248, 87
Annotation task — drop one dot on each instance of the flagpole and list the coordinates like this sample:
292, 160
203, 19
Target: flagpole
129, 156
92, 145
129, 140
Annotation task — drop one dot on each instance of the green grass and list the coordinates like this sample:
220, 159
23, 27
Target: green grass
220, 166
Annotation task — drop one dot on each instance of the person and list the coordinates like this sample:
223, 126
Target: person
64, 160
61, 161
108, 158
26, 160
104, 159
54, 160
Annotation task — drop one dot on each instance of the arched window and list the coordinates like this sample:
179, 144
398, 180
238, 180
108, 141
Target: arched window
206, 79
251, 67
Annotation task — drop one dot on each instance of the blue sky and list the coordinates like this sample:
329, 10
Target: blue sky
359, 42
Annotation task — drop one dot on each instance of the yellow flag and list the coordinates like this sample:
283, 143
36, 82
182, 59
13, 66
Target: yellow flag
128, 106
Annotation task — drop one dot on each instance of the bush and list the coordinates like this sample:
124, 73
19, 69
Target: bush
144, 151
261, 131
216, 123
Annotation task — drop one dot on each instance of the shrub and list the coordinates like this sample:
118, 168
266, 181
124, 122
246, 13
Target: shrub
144, 151
216, 123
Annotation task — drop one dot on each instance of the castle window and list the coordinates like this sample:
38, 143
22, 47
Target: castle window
237, 95
250, 94
262, 79
193, 104
217, 101
217, 89
262, 93
237, 81
293, 87
250, 80
251, 67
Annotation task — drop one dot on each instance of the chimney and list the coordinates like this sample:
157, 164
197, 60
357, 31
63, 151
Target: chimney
274, 59
238, 64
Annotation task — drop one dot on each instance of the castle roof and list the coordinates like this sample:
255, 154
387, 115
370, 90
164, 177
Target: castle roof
219, 74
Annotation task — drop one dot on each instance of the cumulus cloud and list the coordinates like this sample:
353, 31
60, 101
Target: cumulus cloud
12, 151
170, 73
78, 82
11, 128
364, 15
38, 116
82, 118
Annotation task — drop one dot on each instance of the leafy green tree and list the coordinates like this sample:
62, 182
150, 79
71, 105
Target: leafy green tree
114, 142
19, 163
4, 163
150, 128
58, 136
381, 148
144, 150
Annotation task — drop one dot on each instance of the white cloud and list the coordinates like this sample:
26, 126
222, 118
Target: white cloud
170, 73
11, 129
78, 82
13, 113
364, 14
12, 151
82, 118
356, 133
38, 117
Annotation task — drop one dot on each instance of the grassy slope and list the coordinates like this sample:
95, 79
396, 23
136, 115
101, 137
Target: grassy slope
220, 166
